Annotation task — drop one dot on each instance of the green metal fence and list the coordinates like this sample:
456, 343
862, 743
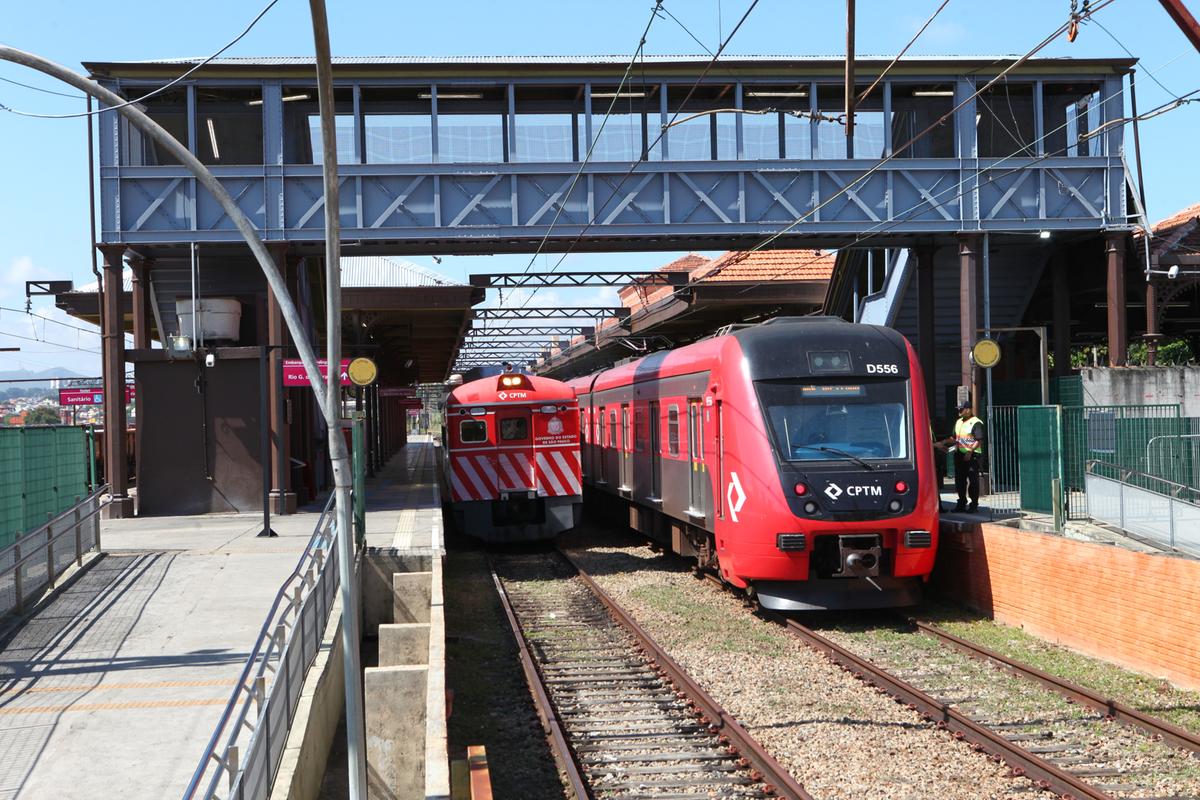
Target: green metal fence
45, 471
1033, 448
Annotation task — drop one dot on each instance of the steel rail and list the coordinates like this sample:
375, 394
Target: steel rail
546, 711
1019, 759
777, 779
1118, 711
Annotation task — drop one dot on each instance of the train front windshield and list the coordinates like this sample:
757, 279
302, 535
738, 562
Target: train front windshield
812, 421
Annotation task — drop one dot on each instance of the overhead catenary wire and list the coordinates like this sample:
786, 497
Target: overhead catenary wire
903, 50
40, 89
154, 92
650, 147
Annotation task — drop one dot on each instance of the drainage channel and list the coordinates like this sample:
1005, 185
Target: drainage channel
624, 719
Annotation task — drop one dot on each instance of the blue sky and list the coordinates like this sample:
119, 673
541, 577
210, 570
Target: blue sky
43, 167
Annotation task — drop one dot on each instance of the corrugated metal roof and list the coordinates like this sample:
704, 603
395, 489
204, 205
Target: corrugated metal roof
280, 61
126, 283
362, 272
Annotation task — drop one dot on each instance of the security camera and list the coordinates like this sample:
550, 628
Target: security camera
210, 360
1173, 272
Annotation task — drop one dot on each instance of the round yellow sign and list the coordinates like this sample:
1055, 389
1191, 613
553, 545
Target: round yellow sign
362, 371
986, 353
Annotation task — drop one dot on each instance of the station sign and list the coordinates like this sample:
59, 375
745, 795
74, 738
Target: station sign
294, 374
89, 395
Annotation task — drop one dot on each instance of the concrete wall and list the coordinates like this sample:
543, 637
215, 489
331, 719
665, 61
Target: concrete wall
1143, 385
1134, 609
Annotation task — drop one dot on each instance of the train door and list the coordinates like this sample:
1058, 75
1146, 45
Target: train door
655, 452
624, 453
513, 460
696, 457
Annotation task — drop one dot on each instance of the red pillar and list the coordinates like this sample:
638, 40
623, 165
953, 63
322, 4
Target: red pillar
1114, 250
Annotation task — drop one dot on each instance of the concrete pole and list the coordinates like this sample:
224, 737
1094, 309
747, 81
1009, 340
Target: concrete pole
116, 460
968, 265
291, 316
356, 752
1152, 335
1114, 251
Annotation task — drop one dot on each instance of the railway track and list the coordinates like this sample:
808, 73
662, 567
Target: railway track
1064, 749
625, 721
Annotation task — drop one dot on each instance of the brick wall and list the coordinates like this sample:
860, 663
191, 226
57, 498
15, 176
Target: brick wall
1138, 610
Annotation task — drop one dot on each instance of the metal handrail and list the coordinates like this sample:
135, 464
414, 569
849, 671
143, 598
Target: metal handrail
1125, 473
264, 646
62, 515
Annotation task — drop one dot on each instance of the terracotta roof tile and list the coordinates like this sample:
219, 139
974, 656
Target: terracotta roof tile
769, 265
1180, 230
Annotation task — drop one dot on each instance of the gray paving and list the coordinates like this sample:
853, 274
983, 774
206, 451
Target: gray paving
115, 687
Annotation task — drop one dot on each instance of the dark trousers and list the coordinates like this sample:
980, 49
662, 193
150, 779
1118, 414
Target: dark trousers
966, 477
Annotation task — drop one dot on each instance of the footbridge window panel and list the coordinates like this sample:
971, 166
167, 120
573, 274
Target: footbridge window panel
830, 124
916, 111
168, 109
704, 123
302, 126
621, 137
229, 125
1006, 121
397, 125
471, 125
776, 122
547, 123
870, 123
1070, 111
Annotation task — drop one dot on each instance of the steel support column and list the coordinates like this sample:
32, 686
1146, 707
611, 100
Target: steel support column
283, 498
141, 303
926, 347
1114, 251
969, 245
1152, 333
116, 460
1062, 315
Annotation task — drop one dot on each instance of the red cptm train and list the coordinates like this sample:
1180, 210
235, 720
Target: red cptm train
793, 457
512, 457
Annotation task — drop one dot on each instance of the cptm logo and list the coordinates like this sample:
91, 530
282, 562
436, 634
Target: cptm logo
512, 395
834, 491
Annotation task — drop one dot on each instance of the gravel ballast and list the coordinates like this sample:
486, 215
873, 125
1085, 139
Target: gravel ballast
839, 737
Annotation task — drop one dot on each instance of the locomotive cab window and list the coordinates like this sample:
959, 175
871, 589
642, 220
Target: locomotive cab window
838, 421
514, 429
472, 431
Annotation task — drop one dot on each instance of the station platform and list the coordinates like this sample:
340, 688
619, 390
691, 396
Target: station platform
117, 683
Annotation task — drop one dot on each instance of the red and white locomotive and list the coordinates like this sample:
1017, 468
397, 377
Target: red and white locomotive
512, 457
792, 457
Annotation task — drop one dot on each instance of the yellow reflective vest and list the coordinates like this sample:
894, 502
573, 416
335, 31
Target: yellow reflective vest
964, 436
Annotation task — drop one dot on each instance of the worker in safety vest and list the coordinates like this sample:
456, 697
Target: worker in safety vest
967, 445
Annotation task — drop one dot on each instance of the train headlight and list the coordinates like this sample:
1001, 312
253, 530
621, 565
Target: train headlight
901, 487
801, 488
894, 506
810, 507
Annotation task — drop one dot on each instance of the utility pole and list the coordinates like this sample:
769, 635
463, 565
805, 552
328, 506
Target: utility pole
356, 753
1184, 19
850, 78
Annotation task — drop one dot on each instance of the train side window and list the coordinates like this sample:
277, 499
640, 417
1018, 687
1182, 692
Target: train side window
625, 428
639, 429
514, 429
673, 430
472, 431
612, 428
583, 428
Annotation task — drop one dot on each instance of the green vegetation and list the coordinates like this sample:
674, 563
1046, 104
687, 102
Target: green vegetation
42, 415
701, 623
1152, 695
1171, 353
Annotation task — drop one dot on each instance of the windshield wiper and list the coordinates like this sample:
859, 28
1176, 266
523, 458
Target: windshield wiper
835, 451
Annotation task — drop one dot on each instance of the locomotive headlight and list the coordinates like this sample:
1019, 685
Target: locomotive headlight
810, 507
894, 506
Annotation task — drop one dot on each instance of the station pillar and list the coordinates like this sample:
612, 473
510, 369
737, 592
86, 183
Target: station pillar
142, 313
969, 248
926, 348
1114, 251
283, 498
116, 456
